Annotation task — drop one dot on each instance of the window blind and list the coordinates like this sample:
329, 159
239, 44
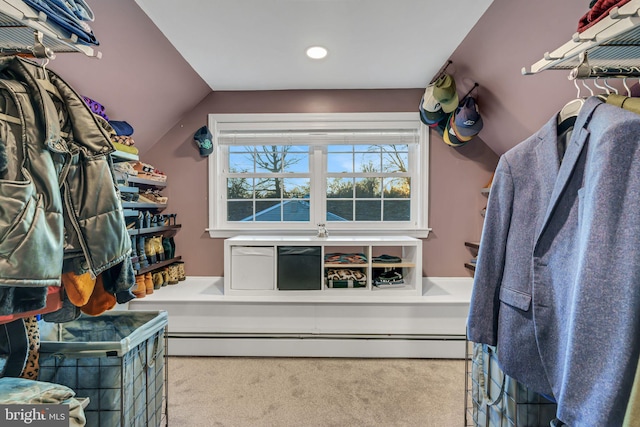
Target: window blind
399, 137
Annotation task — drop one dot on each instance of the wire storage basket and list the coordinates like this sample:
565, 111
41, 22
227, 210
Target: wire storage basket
493, 399
117, 360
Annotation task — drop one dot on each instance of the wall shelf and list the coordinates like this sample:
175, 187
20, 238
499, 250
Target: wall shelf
18, 21
145, 181
612, 42
158, 265
123, 155
164, 229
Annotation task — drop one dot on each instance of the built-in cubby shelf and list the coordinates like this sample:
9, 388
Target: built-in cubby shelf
285, 267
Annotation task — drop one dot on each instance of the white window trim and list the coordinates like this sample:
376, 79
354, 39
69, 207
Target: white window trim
316, 121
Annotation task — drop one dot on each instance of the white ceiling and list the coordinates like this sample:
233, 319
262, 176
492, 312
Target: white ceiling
260, 44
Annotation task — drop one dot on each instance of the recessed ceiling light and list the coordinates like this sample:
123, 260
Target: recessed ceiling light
316, 52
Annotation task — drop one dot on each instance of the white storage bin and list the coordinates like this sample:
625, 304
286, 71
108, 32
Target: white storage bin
252, 267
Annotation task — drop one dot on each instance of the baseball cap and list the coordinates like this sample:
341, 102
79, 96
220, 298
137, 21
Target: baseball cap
430, 118
444, 91
429, 101
204, 140
468, 121
450, 136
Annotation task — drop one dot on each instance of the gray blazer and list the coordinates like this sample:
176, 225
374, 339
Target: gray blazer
557, 284
500, 312
586, 269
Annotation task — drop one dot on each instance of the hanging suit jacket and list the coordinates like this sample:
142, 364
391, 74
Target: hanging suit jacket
586, 269
500, 313
556, 286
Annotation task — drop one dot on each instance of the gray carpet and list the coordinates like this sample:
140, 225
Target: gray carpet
309, 392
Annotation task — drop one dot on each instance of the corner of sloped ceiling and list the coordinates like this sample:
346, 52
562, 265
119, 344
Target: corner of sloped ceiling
141, 78
513, 34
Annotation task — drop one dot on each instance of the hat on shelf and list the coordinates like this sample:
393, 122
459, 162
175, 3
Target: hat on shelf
121, 127
444, 91
204, 140
468, 122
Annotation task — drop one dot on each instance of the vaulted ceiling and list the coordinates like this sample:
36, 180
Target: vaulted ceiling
160, 58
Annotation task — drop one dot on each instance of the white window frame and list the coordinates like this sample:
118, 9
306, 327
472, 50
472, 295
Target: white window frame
219, 227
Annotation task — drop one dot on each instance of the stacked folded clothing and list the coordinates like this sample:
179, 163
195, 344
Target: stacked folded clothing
346, 278
341, 258
390, 277
387, 259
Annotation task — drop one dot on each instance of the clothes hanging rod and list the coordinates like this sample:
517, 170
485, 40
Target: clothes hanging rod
586, 71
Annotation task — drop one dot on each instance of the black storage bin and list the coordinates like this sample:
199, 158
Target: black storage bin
299, 267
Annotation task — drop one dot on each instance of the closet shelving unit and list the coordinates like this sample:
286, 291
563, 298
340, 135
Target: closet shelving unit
18, 24
612, 45
131, 209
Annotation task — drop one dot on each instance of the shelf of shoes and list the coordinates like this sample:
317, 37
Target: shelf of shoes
153, 249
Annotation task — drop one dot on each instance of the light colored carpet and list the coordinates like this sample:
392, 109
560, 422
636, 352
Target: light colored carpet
310, 392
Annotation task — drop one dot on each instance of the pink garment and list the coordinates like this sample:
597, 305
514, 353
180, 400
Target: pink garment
599, 10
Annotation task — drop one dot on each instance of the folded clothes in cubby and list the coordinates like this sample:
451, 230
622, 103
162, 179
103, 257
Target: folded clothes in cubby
387, 259
342, 258
389, 277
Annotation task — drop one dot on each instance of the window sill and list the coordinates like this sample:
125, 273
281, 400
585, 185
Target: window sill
223, 234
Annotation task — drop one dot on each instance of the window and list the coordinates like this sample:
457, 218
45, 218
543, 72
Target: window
285, 173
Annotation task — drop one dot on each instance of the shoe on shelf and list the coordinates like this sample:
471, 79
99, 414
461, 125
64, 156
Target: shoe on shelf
173, 274
142, 257
165, 276
134, 254
140, 289
150, 250
158, 280
148, 280
140, 223
181, 275
169, 247
157, 243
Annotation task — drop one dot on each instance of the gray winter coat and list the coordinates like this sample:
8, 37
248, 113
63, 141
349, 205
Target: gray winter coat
75, 178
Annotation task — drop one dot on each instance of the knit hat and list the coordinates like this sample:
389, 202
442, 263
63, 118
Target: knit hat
78, 287
100, 300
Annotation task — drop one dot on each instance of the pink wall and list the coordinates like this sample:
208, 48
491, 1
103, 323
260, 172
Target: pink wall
455, 179
510, 35
140, 79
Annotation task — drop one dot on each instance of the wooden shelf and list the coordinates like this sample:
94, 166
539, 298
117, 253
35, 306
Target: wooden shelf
158, 265
393, 264
470, 266
140, 205
342, 265
154, 230
473, 245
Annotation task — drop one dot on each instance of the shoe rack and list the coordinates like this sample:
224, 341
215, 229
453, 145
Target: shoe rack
146, 220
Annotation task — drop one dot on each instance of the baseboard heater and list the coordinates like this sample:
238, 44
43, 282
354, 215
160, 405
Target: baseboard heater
324, 336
